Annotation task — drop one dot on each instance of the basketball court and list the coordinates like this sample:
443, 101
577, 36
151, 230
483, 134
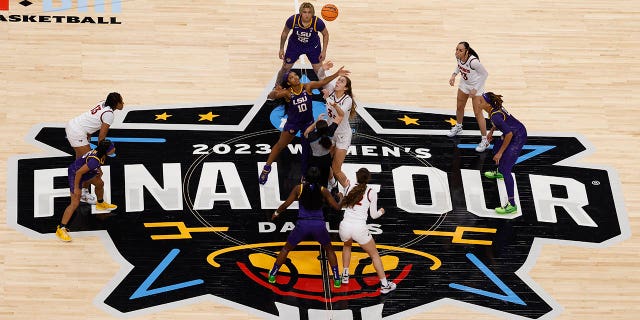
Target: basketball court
192, 236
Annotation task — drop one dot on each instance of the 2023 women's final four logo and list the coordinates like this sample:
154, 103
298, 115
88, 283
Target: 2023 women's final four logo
193, 222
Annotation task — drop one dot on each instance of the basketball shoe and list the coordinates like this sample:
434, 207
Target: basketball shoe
388, 288
345, 278
455, 130
495, 174
506, 209
63, 234
87, 197
264, 175
483, 145
105, 206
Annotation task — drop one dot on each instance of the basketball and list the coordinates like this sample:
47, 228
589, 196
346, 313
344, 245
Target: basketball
329, 12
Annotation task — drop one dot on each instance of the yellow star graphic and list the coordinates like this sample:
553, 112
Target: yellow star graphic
408, 121
163, 116
209, 116
452, 121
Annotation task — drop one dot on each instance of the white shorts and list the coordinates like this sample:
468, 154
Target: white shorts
357, 231
466, 88
76, 138
342, 140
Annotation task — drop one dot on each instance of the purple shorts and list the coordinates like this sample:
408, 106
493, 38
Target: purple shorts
293, 52
85, 177
296, 126
315, 229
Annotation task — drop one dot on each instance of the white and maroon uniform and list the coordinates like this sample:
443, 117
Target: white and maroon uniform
354, 224
472, 75
80, 127
342, 136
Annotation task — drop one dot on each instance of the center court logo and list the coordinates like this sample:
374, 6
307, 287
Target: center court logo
193, 221
56, 11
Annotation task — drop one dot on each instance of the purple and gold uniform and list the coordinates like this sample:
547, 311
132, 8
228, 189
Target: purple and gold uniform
505, 122
299, 111
91, 160
304, 40
310, 224
299, 118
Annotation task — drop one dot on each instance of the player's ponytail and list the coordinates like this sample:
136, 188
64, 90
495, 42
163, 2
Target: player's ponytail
355, 195
349, 91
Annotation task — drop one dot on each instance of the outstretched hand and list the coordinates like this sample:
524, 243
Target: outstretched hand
342, 72
327, 65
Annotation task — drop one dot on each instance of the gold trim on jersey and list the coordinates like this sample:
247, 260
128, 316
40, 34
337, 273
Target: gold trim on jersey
297, 19
297, 93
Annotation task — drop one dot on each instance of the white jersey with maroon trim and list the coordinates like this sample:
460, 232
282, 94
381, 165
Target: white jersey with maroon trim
368, 205
472, 72
91, 121
345, 103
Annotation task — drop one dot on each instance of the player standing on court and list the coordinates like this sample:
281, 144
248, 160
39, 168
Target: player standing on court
472, 78
85, 169
359, 203
304, 39
80, 129
506, 150
311, 196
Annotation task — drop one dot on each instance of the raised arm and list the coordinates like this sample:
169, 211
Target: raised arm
313, 126
323, 82
278, 92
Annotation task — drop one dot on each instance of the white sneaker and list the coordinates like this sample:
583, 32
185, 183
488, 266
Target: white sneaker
88, 197
345, 278
455, 130
388, 288
483, 145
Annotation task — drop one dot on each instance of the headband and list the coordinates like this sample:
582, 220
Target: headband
488, 100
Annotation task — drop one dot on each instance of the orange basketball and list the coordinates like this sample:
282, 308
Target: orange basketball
329, 12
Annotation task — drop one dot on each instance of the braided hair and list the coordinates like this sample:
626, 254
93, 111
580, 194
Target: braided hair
495, 100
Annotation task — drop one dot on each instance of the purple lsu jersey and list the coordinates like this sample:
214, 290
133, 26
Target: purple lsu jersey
304, 40
506, 123
299, 111
304, 36
91, 160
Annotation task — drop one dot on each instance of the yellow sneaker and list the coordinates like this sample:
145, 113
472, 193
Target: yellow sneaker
105, 206
62, 234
